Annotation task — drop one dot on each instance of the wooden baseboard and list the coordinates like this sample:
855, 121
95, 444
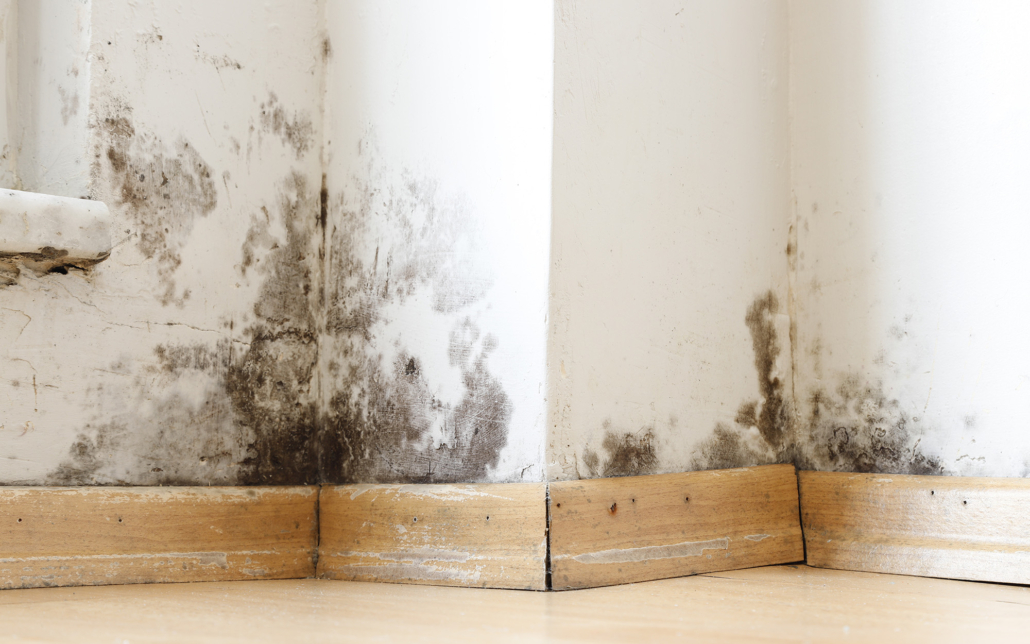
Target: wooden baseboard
105, 535
602, 531
930, 526
621, 530
483, 535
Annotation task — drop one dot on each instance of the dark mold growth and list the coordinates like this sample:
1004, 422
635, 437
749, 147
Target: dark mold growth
853, 428
626, 454
257, 421
774, 419
273, 384
161, 191
394, 428
857, 428
296, 132
384, 420
168, 440
303, 394
763, 430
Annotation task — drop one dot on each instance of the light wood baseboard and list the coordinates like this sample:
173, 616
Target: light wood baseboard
104, 535
489, 535
930, 526
621, 530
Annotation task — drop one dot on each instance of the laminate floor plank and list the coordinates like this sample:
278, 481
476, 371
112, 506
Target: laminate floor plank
772, 604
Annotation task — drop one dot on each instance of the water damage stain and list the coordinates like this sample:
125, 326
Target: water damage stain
184, 437
161, 189
856, 427
393, 428
273, 384
387, 420
296, 131
626, 454
307, 393
763, 430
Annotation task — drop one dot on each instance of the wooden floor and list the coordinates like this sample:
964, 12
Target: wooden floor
774, 604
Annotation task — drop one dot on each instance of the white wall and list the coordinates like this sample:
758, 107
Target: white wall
671, 212
438, 142
911, 151
52, 96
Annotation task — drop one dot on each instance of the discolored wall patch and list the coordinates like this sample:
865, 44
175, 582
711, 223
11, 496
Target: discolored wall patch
625, 454
386, 417
763, 430
296, 131
856, 427
160, 189
240, 411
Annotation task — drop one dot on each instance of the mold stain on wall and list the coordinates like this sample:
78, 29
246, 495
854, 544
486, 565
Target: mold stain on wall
255, 419
246, 409
856, 427
296, 131
625, 454
852, 427
384, 419
238, 410
161, 189
763, 430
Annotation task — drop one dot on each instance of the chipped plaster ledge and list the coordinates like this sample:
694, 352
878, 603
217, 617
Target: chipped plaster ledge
45, 232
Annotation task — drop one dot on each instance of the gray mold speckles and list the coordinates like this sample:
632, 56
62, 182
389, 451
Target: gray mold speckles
858, 428
626, 454
273, 384
296, 131
774, 419
161, 191
391, 427
233, 412
176, 438
763, 431
385, 421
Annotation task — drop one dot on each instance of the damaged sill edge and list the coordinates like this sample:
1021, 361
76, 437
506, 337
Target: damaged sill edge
49, 234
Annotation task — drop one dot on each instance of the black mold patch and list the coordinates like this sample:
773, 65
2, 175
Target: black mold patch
273, 384
394, 429
774, 419
384, 422
857, 428
257, 420
763, 431
296, 131
161, 191
626, 454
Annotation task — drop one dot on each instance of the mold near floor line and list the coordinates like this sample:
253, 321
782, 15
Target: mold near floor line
763, 430
856, 427
384, 420
626, 454
256, 419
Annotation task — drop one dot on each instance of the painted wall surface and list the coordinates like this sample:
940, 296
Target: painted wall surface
190, 355
670, 340
438, 140
51, 74
911, 152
